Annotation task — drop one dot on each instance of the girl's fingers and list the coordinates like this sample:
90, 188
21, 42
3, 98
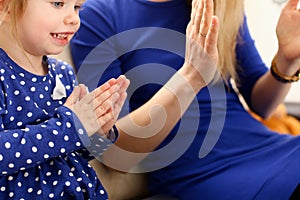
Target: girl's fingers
107, 105
73, 98
83, 91
106, 127
104, 122
99, 95
108, 117
87, 99
101, 106
123, 85
115, 95
119, 104
102, 88
111, 81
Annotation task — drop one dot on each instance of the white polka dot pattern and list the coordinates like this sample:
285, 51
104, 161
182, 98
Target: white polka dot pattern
42, 156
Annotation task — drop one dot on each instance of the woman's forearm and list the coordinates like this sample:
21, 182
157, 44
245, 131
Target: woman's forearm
143, 129
267, 94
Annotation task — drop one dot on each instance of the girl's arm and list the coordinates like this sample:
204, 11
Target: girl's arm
35, 144
68, 130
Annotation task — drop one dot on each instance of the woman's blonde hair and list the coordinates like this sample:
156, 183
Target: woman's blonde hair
231, 17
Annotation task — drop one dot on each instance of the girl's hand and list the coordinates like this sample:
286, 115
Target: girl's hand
94, 109
202, 37
123, 84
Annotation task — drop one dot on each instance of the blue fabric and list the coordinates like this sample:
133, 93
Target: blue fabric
217, 151
42, 156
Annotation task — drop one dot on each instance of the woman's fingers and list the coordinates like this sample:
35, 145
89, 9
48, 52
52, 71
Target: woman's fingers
288, 34
292, 4
212, 39
198, 13
193, 12
207, 13
201, 21
202, 37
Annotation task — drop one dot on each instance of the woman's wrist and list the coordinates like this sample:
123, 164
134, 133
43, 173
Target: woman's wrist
282, 77
192, 76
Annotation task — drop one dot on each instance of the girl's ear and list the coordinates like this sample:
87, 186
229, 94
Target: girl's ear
2, 6
4, 9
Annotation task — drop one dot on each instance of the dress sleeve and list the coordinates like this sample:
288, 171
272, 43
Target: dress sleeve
34, 144
93, 47
250, 64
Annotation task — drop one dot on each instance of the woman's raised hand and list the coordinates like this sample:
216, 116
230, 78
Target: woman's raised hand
202, 38
288, 34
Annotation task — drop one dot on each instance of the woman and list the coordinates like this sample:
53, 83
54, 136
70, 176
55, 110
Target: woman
217, 151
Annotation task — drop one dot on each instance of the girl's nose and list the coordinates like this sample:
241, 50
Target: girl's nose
72, 19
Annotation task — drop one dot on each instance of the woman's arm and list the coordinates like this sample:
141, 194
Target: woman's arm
268, 92
142, 130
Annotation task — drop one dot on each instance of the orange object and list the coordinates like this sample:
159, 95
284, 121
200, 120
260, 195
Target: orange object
280, 121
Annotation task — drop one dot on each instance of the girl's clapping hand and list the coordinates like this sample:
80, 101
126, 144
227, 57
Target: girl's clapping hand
99, 109
112, 115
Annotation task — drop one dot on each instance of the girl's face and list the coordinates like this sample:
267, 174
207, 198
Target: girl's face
47, 26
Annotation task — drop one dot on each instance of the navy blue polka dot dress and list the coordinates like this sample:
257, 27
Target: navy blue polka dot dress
42, 155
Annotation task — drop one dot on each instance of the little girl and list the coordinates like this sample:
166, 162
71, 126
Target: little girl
45, 119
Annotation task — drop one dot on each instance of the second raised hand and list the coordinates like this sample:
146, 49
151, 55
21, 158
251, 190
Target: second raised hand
288, 34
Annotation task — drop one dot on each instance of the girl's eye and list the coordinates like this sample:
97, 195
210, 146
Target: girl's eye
77, 7
58, 4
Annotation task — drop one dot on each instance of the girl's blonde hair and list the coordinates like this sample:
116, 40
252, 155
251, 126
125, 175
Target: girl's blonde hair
3, 9
15, 9
231, 17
